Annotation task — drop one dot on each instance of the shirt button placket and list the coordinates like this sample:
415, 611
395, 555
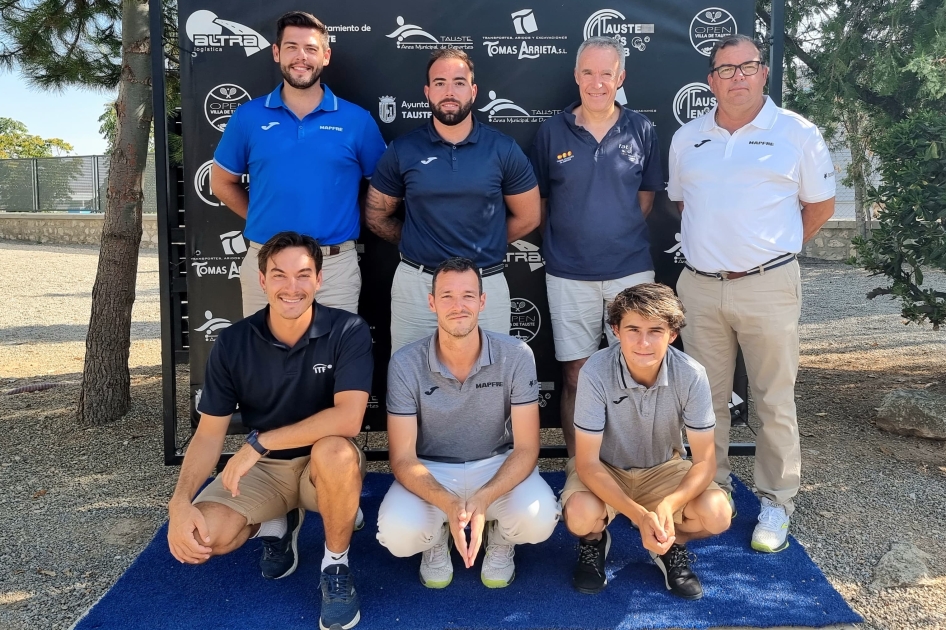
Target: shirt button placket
301, 132
454, 162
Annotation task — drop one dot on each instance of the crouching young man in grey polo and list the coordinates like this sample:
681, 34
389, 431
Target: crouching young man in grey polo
634, 400
463, 430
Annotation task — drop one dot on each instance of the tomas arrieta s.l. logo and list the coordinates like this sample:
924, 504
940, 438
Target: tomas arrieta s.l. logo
321, 368
525, 44
206, 31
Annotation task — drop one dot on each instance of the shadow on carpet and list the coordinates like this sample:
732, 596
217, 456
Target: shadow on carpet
742, 587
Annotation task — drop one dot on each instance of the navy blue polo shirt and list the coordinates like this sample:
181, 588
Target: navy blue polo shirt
453, 193
594, 229
275, 385
304, 174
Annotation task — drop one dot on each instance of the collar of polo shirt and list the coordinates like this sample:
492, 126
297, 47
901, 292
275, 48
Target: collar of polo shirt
470, 139
628, 381
320, 326
485, 358
329, 102
765, 119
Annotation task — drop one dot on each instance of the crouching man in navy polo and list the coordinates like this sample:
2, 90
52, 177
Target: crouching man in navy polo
634, 400
301, 374
463, 430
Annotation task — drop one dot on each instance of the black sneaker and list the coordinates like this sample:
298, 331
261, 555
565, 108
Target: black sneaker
280, 555
589, 576
679, 578
339, 599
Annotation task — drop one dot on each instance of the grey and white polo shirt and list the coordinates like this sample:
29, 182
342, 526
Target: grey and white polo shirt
469, 421
642, 426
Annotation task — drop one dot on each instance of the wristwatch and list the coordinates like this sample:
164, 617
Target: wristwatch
253, 440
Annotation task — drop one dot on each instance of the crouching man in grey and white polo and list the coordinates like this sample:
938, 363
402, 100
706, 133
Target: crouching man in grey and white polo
463, 430
634, 400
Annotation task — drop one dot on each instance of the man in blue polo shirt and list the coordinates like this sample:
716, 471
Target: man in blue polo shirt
468, 190
300, 373
598, 166
306, 152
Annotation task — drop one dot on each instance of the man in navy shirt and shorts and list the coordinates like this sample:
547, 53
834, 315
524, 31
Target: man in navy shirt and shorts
634, 400
300, 373
598, 166
468, 190
306, 152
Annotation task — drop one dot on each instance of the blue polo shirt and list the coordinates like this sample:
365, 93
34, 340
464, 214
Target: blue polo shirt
594, 229
453, 193
304, 174
275, 385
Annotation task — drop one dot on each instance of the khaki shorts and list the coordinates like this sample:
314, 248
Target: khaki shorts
270, 489
645, 486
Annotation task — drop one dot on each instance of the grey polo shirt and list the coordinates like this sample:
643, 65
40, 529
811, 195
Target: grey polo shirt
462, 422
642, 426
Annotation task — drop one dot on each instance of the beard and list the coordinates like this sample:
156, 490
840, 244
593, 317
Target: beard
303, 83
451, 118
461, 329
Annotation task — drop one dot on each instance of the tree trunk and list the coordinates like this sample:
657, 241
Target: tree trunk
106, 383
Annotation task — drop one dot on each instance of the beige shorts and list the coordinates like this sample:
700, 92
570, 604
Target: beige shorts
645, 486
270, 489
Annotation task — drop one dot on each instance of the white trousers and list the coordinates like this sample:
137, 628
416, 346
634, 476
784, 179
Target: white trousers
526, 514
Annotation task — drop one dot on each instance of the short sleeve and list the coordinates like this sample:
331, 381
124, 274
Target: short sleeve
387, 177
539, 156
401, 398
354, 359
518, 176
232, 153
218, 395
698, 409
817, 172
590, 404
525, 383
674, 191
652, 179
371, 147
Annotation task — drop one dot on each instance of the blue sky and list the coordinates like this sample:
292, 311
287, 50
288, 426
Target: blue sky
71, 115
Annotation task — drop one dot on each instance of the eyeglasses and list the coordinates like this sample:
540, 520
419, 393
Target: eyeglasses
728, 70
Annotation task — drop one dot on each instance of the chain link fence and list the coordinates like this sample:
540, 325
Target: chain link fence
63, 184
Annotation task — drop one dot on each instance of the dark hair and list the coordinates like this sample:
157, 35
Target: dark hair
459, 265
650, 300
285, 240
448, 53
304, 20
735, 40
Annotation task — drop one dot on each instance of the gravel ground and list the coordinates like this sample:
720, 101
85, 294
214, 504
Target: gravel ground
80, 504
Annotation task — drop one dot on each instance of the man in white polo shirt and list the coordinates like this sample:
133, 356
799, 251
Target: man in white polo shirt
463, 431
753, 182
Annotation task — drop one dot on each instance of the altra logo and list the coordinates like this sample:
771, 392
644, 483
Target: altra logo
528, 253
205, 30
428, 160
321, 368
268, 126
431, 390
503, 110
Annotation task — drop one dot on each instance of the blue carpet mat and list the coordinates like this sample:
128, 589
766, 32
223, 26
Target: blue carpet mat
742, 587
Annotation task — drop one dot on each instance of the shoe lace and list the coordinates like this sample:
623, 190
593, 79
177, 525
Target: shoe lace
498, 555
771, 517
337, 585
271, 548
588, 554
436, 555
679, 557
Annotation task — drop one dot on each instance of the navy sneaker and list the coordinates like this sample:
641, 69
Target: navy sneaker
339, 599
281, 555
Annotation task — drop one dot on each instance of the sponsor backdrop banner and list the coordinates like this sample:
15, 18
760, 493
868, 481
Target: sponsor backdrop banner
524, 57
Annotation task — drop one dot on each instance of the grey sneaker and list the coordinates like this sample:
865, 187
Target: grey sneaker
499, 569
771, 533
436, 567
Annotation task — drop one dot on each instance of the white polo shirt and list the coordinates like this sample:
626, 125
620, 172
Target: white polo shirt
742, 192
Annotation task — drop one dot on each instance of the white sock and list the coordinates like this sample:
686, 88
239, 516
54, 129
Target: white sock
275, 527
331, 557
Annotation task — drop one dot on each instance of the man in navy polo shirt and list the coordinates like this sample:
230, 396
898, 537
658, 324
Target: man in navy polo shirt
306, 152
457, 178
300, 373
598, 166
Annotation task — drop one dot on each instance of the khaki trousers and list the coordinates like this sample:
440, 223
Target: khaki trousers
758, 313
341, 281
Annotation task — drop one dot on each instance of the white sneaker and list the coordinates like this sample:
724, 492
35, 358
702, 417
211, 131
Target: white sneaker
436, 567
771, 534
499, 569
